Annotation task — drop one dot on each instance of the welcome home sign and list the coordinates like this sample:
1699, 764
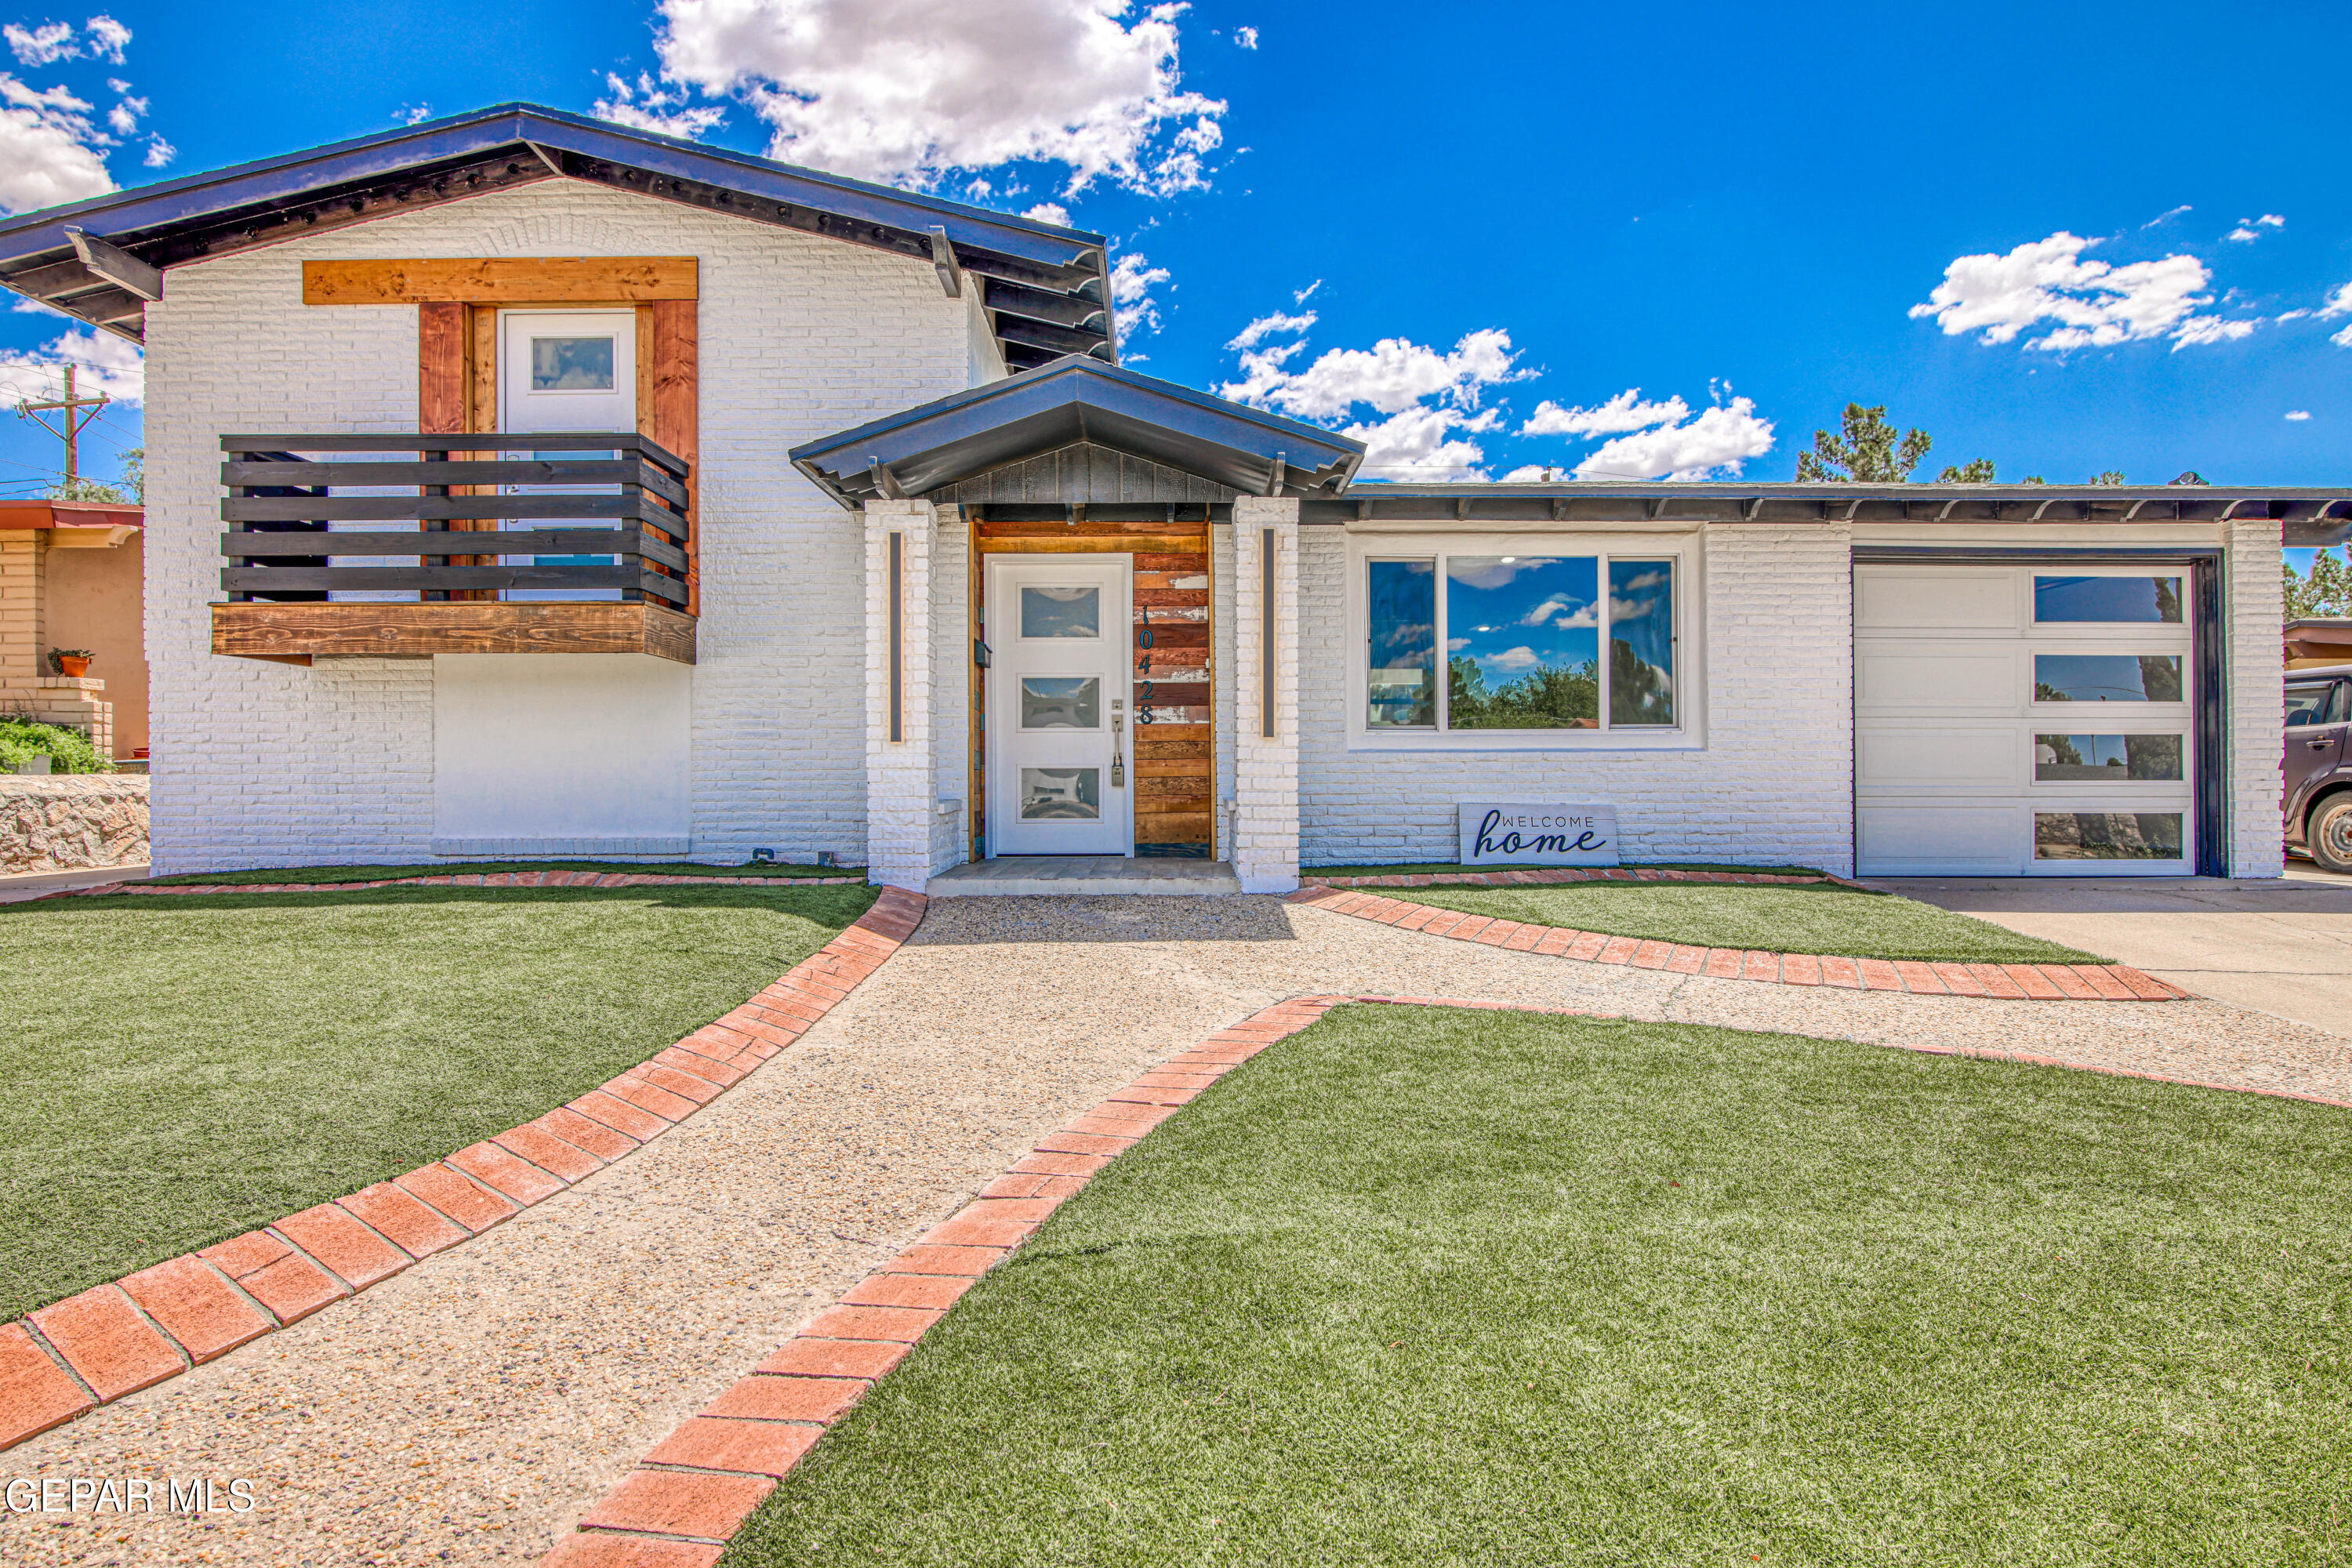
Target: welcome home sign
1519, 833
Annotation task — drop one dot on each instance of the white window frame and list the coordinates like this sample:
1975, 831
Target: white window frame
1689, 733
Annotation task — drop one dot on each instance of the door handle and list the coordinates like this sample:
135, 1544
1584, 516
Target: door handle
1117, 761
2320, 745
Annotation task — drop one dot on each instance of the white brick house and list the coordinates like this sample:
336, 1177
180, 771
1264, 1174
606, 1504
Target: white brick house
907, 573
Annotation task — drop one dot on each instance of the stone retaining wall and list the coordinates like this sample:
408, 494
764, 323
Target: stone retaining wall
72, 820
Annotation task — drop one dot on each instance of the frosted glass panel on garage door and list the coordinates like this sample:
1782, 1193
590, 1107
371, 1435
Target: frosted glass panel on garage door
1957, 681
1908, 599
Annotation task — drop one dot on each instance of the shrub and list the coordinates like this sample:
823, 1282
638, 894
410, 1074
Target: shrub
69, 751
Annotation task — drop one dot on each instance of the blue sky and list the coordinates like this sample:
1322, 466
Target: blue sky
1688, 235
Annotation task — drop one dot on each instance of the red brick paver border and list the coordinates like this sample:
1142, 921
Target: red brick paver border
699, 1485
78, 1354
2036, 981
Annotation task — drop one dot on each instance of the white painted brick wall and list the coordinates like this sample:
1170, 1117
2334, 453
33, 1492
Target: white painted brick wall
1266, 824
1220, 659
951, 672
1771, 786
2254, 589
261, 764
900, 796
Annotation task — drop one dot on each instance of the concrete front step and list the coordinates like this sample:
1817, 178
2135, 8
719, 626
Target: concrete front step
1095, 875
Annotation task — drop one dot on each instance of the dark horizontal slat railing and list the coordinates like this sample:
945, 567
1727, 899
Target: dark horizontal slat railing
280, 503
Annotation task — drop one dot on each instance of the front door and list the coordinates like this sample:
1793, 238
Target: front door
565, 371
1058, 628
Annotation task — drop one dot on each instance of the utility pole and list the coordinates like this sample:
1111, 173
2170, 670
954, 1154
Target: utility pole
75, 423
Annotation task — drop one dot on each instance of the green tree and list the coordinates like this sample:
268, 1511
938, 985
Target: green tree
2110, 479
2326, 591
129, 489
1869, 451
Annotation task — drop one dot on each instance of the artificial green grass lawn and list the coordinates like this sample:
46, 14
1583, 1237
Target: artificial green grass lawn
488, 868
182, 1070
1789, 917
1433, 1287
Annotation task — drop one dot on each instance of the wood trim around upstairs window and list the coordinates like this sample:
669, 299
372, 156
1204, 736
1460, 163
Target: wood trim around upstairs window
503, 279
457, 347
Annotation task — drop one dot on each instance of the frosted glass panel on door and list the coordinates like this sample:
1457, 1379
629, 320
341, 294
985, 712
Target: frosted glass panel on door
571, 365
1049, 795
1061, 702
1074, 612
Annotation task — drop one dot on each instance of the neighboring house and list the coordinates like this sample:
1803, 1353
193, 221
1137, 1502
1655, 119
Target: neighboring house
70, 578
2318, 640
907, 571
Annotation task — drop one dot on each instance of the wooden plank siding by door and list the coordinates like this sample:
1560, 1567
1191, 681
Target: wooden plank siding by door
1171, 742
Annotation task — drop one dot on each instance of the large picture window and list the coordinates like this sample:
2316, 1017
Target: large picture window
1494, 641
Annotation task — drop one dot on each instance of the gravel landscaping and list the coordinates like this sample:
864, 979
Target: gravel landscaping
1425, 1285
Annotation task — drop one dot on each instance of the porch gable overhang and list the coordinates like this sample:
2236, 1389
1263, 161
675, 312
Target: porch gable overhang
1046, 288
1077, 399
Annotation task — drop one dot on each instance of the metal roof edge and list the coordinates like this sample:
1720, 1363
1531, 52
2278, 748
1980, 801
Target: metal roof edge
517, 121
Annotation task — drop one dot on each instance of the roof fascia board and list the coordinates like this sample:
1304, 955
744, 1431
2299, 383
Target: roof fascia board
220, 192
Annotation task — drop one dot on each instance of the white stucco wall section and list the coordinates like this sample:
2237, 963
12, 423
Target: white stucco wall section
260, 764
580, 754
2253, 598
1772, 782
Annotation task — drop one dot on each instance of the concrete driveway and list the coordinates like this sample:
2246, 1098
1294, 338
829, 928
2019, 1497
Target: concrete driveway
2283, 948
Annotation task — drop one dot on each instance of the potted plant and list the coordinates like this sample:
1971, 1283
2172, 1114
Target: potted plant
72, 662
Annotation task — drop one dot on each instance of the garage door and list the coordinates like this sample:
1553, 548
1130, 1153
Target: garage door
2023, 720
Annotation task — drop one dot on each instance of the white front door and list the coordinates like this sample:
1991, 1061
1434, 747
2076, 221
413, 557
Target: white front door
1058, 629
564, 371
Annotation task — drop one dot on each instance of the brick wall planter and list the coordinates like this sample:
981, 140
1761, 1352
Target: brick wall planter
116, 1339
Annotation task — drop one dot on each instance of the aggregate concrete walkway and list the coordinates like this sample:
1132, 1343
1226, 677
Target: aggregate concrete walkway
472, 1408
2282, 947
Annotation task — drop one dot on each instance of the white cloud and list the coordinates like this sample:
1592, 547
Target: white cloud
1050, 212
2094, 303
44, 45
1392, 375
125, 116
2169, 216
1626, 411
1245, 36
1719, 441
105, 364
2298, 414
1299, 297
2211, 330
1132, 306
2343, 339
107, 37
2337, 304
1430, 399
159, 152
909, 90
649, 106
1423, 442
47, 148
1511, 660
1250, 336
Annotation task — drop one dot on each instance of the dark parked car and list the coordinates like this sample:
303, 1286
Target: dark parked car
2318, 772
